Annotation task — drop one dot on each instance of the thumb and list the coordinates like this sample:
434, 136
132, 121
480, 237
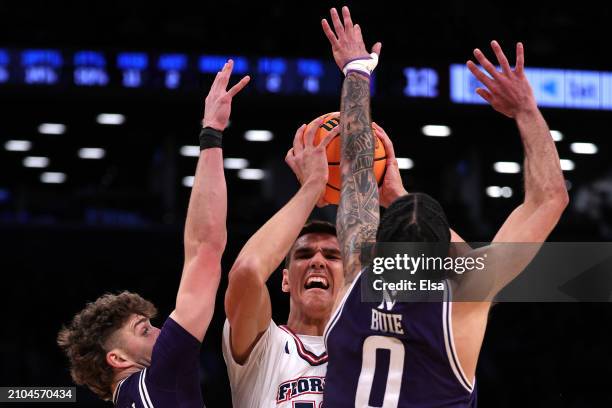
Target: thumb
376, 48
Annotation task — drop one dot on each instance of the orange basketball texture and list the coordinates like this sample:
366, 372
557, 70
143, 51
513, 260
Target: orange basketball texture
332, 190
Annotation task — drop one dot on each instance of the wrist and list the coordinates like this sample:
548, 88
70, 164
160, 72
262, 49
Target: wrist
210, 138
363, 65
528, 113
314, 183
213, 125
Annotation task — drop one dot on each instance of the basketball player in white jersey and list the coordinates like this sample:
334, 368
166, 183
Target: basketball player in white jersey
272, 365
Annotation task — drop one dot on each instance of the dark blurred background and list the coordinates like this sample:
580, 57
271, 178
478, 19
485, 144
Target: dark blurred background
85, 222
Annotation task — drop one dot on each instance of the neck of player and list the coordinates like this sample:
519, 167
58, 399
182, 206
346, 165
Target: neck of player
302, 324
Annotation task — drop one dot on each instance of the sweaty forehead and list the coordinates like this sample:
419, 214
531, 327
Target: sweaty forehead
316, 240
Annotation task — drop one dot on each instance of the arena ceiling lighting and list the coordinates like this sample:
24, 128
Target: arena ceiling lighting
37, 162
18, 145
52, 128
567, 165
506, 192
583, 148
258, 135
494, 191
190, 151
110, 119
556, 135
497, 192
53, 177
91, 153
404, 163
188, 181
235, 163
507, 167
251, 174
436, 130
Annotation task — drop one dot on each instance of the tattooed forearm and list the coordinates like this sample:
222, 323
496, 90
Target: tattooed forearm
358, 212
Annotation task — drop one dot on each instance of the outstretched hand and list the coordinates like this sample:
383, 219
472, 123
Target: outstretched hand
507, 91
218, 103
347, 41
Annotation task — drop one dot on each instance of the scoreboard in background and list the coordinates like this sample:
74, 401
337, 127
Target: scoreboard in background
556, 88
172, 71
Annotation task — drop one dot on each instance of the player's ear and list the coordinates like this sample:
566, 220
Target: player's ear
118, 359
285, 284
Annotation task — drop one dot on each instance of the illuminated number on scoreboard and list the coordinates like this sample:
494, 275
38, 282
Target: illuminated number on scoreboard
421, 82
368, 368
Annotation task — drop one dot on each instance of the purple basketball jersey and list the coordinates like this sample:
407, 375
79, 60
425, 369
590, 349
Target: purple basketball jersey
172, 379
393, 354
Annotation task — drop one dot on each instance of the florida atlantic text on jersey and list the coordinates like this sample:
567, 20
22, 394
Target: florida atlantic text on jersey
284, 370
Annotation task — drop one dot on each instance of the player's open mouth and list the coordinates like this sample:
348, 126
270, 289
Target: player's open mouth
316, 282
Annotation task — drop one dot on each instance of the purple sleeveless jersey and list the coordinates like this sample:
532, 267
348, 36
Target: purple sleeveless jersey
172, 379
394, 355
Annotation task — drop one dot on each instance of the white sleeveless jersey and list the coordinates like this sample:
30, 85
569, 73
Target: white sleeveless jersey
284, 370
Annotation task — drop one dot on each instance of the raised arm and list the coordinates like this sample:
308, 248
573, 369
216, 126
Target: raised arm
358, 211
205, 230
546, 197
392, 187
247, 301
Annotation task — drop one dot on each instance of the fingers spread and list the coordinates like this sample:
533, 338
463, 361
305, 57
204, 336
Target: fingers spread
239, 86
501, 57
225, 74
520, 58
215, 85
348, 23
329, 33
376, 48
484, 94
337, 24
486, 64
357, 33
481, 76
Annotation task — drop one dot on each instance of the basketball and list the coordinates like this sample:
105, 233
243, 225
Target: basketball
332, 190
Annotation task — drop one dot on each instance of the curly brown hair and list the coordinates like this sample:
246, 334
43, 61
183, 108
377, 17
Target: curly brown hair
85, 340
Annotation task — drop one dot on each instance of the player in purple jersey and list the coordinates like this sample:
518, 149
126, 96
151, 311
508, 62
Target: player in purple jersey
112, 347
423, 354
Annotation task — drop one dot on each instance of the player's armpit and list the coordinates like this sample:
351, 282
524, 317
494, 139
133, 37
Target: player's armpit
247, 307
176, 353
458, 247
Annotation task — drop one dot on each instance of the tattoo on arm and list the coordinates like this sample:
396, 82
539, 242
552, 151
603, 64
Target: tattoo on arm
358, 212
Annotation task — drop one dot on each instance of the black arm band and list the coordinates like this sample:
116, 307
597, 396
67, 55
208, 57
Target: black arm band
210, 138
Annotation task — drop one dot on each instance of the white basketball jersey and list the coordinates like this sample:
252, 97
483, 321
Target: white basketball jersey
284, 370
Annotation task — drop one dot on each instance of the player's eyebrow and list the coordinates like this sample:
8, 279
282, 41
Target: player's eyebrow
139, 321
303, 251
331, 251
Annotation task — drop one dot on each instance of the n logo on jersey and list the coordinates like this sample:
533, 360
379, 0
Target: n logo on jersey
388, 301
300, 386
